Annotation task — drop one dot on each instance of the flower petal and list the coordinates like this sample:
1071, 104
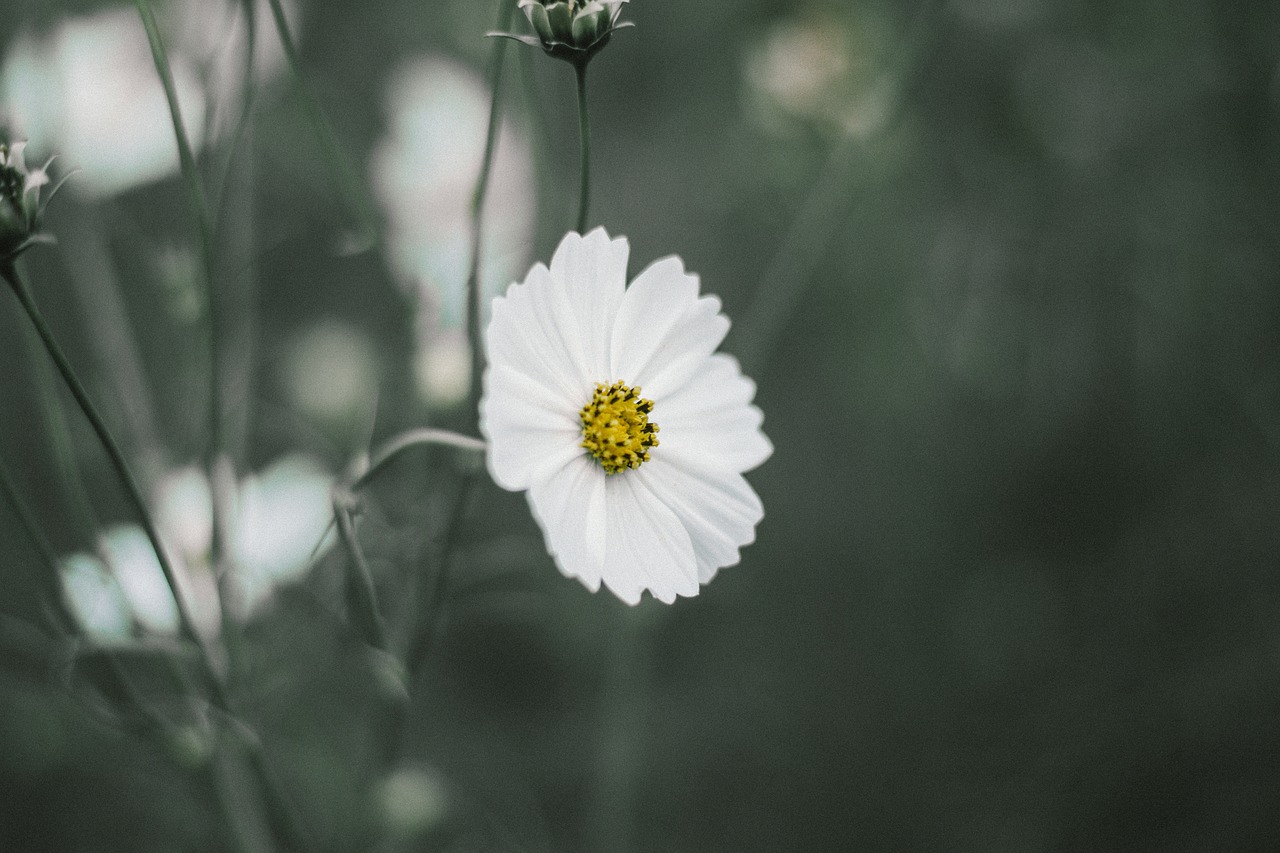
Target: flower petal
529, 429
664, 332
570, 507
710, 422
592, 270
531, 330
614, 529
648, 547
718, 509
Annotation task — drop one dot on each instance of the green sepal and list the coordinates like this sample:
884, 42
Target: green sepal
561, 23
541, 23
586, 29
532, 41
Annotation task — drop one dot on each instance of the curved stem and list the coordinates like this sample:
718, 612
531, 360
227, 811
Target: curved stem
584, 133
414, 438
474, 307
361, 593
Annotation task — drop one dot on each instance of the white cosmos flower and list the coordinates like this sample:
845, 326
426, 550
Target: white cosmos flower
610, 406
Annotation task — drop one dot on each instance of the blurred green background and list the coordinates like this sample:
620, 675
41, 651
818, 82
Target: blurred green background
1005, 273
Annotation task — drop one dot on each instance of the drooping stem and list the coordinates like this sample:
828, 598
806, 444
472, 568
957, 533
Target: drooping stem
584, 134
423, 437
474, 296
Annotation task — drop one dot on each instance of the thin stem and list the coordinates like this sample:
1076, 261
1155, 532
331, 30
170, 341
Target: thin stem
200, 210
620, 746
55, 425
362, 597
339, 165
112, 448
824, 210
421, 638
282, 817
63, 618
474, 306
584, 134
414, 438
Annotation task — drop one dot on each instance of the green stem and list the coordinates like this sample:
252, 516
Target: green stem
282, 817
584, 133
339, 165
63, 618
200, 209
362, 597
421, 638
414, 438
621, 734
109, 444
474, 296
55, 425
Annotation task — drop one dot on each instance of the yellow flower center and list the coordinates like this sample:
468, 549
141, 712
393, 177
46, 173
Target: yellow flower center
616, 428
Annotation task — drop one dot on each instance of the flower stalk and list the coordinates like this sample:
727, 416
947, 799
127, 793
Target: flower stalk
282, 818
114, 453
584, 143
474, 296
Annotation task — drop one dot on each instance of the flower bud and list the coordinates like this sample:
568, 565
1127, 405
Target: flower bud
20, 207
572, 30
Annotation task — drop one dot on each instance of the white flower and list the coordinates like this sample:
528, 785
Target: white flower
640, 492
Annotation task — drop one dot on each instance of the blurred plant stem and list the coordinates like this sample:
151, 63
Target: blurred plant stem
281, 816
362, 596
116, 673
396, 445
54, 422
235, 227
84, 248
426, 594
475, 307
214, 464
619, 748
361, 592
584, 147
350, 183
826, 206
19, 288
50, 583
800, 254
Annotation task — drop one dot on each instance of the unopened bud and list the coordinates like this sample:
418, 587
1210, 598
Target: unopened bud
20, 206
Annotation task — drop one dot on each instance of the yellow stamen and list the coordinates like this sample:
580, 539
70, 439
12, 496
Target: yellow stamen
616, 428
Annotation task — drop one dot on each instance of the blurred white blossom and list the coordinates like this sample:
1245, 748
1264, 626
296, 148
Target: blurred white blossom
95, 597
823, 69
424, 173
279, 520
330, 371
88, 89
